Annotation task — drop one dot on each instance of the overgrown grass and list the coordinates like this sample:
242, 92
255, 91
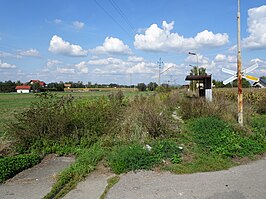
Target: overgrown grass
138, 133
214, 135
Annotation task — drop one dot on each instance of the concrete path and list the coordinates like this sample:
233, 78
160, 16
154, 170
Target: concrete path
92, 187
242, 182
35, 182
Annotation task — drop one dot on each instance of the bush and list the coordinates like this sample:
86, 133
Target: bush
61, 118
216, 136
133, 157
10, 166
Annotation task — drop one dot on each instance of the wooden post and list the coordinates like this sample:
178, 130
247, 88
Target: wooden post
239, 70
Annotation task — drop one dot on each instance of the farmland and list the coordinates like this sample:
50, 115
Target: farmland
11, 103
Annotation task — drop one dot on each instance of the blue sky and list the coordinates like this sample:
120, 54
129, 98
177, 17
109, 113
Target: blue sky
121, 41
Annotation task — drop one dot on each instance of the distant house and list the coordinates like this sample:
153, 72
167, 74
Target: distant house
260, 84
41, 83
67, 86
23, 89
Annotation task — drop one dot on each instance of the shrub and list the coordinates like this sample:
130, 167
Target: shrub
10, 166
131, 157
61, 118
47, 118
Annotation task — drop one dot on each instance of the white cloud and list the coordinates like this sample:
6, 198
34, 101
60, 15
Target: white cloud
208, 39
220, 58
114, 66
135, 59
142, 67
161, 39
233, 49
256, 28
78, 25
30, 53
231, 58
65, 70
112, 45
57, 21
82, 67
6, 65
59, 46
52, 62
199, 59
5, 54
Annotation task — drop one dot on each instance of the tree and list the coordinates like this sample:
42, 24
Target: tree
195, 71
218, 84
245, 83
141, 87
152, 86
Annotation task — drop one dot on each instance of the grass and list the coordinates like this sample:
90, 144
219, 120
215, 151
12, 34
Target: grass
111, 182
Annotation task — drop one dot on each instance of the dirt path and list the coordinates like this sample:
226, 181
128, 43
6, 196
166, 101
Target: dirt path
35, 182
242, 182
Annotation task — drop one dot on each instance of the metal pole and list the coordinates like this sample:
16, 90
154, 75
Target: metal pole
159, 71
197, 64
239, 70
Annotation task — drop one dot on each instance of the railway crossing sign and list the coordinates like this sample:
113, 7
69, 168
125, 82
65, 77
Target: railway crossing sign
244, 74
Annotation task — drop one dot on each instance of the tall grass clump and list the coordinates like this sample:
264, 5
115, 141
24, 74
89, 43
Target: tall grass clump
144, 118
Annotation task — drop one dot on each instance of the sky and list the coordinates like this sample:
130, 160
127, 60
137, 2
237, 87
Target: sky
122, 41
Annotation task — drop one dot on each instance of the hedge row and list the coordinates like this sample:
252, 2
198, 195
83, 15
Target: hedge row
10, 166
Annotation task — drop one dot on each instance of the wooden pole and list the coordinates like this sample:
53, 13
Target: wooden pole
239, 70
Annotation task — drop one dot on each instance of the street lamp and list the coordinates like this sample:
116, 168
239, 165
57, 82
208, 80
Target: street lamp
195, 54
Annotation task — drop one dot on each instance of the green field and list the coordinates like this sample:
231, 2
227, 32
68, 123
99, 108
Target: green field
11, 103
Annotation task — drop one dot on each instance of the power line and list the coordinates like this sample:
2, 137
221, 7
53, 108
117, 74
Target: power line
106, 12
122, 14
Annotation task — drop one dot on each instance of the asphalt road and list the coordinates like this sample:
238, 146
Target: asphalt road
241, 182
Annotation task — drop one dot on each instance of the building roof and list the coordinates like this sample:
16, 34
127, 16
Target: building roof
198, 77
263, 81
23, 87
41, 83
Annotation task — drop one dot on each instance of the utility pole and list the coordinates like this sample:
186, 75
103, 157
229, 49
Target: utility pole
160, 63
239, 70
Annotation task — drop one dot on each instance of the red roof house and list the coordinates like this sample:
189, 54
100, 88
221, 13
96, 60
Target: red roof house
23, 89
